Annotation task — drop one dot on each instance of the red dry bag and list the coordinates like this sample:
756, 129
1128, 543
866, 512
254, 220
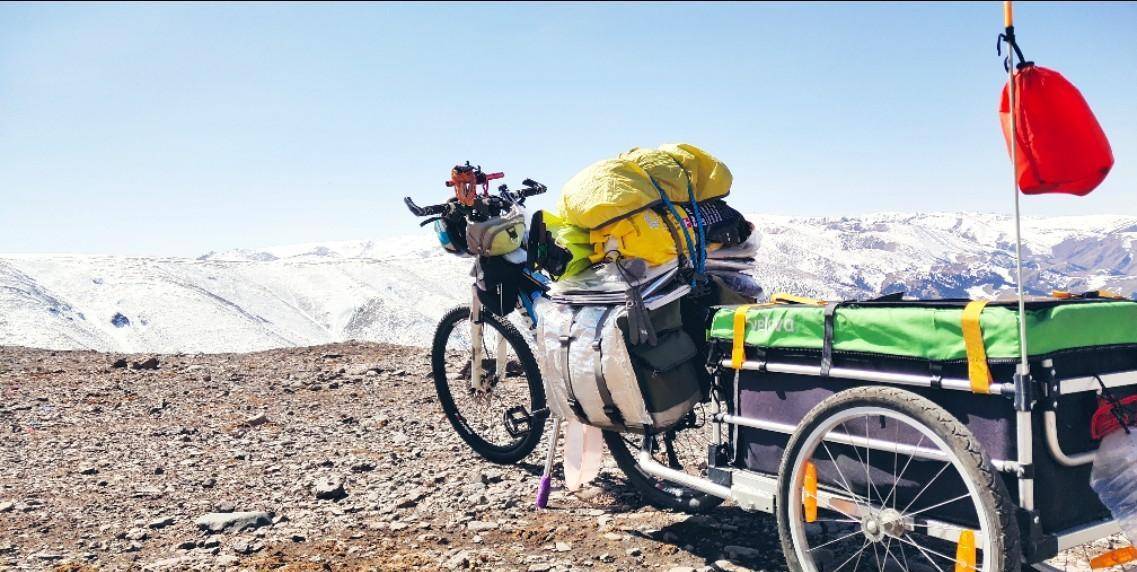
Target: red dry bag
1059, 145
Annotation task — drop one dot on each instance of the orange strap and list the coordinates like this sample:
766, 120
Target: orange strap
977, 370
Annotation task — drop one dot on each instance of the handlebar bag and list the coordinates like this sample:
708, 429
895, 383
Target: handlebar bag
591, 373
497, 236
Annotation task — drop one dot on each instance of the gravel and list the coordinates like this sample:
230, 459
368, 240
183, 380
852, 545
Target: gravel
331, 457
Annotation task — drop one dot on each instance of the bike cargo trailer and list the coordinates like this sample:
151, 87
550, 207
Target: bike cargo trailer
956, 359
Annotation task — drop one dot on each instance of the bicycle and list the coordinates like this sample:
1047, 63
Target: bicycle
489, 386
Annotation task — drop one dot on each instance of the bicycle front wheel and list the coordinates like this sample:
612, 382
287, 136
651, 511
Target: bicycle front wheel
490, 407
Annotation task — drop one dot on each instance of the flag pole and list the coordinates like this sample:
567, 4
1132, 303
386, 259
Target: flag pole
1008, 23
1024, 434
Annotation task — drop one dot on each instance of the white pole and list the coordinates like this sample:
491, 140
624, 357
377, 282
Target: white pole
1024, 365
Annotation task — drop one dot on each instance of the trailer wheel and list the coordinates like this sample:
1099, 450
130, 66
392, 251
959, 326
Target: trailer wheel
881, 478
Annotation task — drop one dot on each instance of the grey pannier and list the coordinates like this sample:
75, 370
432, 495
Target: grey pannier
592, 373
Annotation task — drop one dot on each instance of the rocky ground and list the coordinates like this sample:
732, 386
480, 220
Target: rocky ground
332, 457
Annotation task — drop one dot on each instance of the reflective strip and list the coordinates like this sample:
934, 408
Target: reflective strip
809, 492
738, 352
965, 552
977, 370
1113, 558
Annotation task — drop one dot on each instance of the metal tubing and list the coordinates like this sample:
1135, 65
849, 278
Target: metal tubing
876, 376
878, 444
787, 429
1024, 432
1084, 534
1050, 424
1085, 384
653, 468
476, 334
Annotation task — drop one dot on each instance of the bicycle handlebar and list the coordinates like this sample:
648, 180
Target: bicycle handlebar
530, 189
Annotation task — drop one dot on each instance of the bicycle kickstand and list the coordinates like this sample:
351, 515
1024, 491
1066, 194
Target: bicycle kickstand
547, 476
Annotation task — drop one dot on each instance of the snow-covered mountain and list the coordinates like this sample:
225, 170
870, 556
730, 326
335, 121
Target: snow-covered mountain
394, 290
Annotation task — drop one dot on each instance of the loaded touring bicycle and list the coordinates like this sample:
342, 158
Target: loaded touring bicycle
897, 434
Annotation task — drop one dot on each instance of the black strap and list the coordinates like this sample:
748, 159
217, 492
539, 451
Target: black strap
610, 408
1008, 36
827, 348
566, 369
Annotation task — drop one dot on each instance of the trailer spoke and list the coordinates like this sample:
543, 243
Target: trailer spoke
896, 484
855, 555
836, 540
938, 505
926, 486
841, 474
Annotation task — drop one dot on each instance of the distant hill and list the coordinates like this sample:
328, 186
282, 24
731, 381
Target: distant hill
393, 290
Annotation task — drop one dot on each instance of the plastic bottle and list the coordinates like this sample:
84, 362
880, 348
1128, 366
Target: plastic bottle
1114, 478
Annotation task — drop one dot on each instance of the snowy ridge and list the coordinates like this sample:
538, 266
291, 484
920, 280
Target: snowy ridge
393, 290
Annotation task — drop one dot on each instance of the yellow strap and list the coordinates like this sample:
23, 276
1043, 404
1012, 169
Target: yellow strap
1061, 295
783, 298
977, 370
738, 352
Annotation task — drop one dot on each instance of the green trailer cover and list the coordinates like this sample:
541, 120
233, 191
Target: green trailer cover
933, 330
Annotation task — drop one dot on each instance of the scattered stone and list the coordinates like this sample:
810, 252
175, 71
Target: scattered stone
227, 560
330, 488
460, 560
362, 466
88, 470
119, 363
234, 521
137, 534
149, 363
161, 522
480, 526
256, 420
7, 506
633, 552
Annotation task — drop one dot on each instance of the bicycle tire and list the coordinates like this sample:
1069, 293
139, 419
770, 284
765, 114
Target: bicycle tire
503, 455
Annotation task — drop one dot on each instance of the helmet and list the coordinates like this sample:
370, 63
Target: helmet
451, 233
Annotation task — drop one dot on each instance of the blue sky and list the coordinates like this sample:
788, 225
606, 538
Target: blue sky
182, 128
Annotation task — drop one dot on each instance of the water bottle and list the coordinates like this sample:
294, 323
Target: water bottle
1114, 478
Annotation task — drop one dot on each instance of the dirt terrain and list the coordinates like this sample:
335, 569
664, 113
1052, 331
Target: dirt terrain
324, 458
109, 461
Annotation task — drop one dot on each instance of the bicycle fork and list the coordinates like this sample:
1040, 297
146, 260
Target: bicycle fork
477, 338
477, 330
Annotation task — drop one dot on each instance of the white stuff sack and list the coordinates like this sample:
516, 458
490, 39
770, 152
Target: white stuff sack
553, 322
